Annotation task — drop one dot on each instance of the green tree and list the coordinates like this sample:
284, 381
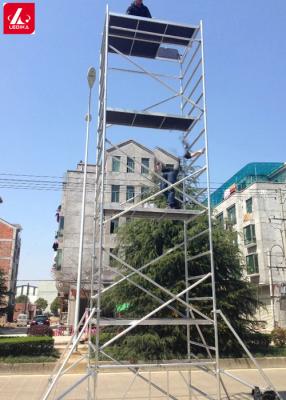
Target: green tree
22, 298
55, 305
41, 304
141, 241
3, 294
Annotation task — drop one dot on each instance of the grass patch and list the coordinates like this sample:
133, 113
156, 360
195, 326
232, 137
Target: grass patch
29, 359
272, 352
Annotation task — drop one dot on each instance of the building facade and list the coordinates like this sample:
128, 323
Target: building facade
46, 290
129, 169
253, 203
31, 291
10, 245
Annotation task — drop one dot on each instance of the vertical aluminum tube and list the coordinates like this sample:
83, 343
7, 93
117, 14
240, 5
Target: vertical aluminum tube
92, 378
185, 230
210, 219
101, 212
188, 328
82, 221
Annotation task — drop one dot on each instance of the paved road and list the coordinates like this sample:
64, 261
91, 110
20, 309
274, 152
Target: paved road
19, 330
113, 385
13, 331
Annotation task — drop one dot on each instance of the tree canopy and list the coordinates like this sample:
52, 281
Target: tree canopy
141, 241
41, 304
22, 298
55, 305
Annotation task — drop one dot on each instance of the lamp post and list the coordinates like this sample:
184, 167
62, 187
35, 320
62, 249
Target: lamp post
271, 284
91, 75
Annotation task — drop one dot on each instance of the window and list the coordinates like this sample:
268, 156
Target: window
170, 166
249, 234
115, 193
235, 238
115, 163
252, 264
130, 193
58, 259
220, 219
145, 165
60, 232
114, 224
61, 223
144, 192
130, 164
231, 215
249, 205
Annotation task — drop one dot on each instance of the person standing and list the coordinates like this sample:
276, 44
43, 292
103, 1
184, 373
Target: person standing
170, 175
139, 9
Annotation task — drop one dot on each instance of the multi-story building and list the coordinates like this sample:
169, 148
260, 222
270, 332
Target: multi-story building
31, 291
129, 168
44, 289
47, 290
10, 244
253, 203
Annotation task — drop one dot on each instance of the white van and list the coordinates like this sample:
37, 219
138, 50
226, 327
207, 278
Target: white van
22, 320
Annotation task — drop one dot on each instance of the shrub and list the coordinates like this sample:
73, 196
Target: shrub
258, 342
40, 330
20, 346
278, 336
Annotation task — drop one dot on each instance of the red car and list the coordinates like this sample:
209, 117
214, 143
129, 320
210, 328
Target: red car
40, 320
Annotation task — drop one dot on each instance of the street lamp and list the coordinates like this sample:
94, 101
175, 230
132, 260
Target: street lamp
91, 76
271, 284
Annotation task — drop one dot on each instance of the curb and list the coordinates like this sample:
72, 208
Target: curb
47, 368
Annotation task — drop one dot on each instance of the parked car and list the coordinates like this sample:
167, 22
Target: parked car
40, 320
22, 320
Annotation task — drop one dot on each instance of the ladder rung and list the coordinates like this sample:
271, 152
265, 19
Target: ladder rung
206, 253
194, 278
202, 345
200, 298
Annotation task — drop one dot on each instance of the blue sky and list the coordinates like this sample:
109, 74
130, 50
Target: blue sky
43, 98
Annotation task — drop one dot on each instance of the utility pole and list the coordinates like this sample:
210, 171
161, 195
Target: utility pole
271, 287
91, 75
27, 298
283, 219
271, 280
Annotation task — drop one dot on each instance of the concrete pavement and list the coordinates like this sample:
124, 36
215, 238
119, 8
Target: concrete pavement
111, 386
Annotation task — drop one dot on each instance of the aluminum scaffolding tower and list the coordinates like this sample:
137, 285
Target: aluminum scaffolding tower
143, 47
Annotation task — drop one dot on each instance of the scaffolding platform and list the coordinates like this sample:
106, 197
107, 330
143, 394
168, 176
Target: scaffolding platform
153, 322
153, 213
142, 37
145, 119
